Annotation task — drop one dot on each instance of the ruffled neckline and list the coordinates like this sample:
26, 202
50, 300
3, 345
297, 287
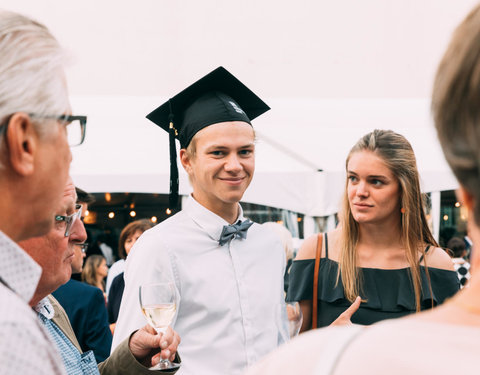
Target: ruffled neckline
389, 290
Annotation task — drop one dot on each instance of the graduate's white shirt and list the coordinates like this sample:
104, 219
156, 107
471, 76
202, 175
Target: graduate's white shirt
229, 295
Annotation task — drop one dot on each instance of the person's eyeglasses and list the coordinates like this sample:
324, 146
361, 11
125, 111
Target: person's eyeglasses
69, 220
76, 126
83, 247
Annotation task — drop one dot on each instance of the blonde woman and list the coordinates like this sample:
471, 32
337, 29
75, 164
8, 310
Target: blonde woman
94, 272
382, 251
445, 340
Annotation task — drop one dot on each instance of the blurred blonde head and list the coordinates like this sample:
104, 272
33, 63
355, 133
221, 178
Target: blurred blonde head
285, 237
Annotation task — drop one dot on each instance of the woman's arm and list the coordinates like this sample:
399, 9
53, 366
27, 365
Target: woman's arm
307, 251
306, 307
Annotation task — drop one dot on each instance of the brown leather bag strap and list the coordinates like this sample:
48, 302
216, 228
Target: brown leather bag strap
318, 255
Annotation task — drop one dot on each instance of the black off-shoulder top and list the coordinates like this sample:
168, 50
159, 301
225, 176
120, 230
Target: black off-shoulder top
389, 292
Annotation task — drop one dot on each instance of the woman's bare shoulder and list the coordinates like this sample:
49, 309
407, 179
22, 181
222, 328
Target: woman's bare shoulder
308, 248
438, 258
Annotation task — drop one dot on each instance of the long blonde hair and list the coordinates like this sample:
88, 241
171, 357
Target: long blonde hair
89, 272
397, 154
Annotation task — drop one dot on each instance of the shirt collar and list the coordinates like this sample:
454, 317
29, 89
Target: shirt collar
45, 308
210, 222
17, 269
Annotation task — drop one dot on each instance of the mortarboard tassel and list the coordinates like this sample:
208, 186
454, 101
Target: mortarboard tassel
173, 196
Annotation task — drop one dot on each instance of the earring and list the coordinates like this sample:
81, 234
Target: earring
402, 210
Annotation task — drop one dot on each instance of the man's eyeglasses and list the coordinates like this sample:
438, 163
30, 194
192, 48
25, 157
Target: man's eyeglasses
75, 125
82, 246
69, 220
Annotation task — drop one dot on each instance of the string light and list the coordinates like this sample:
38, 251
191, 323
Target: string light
168, 211
299, 219
457, 204
111, 215
108, 197
132, 205
87, 212
445, 217
153, 219
133, 213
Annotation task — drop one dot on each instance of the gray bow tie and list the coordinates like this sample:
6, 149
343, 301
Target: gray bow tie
234, 230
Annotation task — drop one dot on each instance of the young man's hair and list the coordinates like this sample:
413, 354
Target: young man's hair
457, 246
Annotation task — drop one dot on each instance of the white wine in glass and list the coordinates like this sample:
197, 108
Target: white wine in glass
159, 316
158, 303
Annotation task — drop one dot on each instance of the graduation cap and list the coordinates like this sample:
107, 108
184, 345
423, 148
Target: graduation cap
217, 97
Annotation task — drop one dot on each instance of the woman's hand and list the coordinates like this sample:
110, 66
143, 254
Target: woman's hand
345, 317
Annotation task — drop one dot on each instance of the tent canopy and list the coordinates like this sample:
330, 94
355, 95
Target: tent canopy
331, 71
124, 151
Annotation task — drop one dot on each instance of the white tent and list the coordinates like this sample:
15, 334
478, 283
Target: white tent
331, 71
301, 149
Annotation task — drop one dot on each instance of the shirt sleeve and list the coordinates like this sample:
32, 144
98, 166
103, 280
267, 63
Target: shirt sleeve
23, 350
122, 362
149, 261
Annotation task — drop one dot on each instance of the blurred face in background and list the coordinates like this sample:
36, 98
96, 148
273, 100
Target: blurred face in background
102, 269
78, 238
131, 240
78, 257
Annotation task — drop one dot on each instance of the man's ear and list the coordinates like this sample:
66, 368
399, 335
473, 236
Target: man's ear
21, 141
185, 160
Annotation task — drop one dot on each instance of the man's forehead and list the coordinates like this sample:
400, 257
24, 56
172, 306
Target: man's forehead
70, 190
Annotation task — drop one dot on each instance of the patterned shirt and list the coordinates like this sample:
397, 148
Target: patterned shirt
74, 361
463, 271
25, 347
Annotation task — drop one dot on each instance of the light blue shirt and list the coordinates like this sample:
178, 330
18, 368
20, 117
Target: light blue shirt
229, 295
75, 362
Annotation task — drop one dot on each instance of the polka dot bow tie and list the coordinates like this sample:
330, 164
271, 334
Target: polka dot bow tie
232, 231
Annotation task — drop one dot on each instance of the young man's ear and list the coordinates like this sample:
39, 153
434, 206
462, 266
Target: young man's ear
21, 142
185, 160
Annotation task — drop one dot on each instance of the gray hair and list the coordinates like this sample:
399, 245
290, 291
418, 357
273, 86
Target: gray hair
31, 69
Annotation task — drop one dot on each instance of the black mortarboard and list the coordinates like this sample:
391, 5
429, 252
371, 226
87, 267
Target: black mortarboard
217, 97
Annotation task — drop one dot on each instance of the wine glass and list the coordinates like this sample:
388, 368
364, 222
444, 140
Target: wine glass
294, 317
289, 319
158, 303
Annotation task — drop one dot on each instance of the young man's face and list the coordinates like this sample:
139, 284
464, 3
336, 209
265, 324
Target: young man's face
223, 164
